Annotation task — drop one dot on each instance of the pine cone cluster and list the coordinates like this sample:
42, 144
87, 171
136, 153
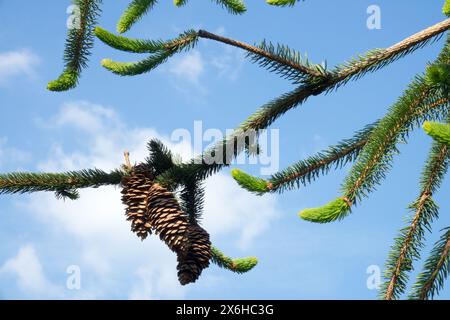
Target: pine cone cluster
152, 208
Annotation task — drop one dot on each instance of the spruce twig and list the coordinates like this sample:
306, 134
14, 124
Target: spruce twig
436, 269
78, 45
410, 240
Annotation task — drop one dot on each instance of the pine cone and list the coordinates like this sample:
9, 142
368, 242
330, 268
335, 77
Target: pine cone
191, 265
189, 241
151, 207
167, 219
136, 188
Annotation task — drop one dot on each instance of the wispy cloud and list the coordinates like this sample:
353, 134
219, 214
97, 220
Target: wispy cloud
228, 63
27, 269
191, 70
188, 67
186, 71
11, 155
16, 64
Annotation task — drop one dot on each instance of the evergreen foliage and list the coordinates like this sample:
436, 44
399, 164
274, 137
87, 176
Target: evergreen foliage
305, 171
184, 42
240, 265
135, 11
282, 3
371, 149
80, 40
446, 8
424, 210
252, 184
332, 211
435, 271
439, 131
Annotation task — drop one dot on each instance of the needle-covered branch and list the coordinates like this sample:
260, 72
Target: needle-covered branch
24, 182
240, 265
377, 155
159, 55
435, 271
232, 6
135, 11
410, 241
422, 101
268, 113
282, 3
309, 169
267, 56
129, 44
80, 40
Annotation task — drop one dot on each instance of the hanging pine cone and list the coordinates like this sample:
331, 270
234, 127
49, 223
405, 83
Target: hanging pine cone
190, 242
167, 219
136, 188
197, 257
152, 208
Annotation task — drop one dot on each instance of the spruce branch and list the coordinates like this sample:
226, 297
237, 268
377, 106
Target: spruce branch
192, 197
410, 240
79, 43
268, 113
71, 194
266, 51
288, 63
241, 265
377, 155
250, 183
439, 75
435, 271
135, 11
379, 58
282, 3
185, 41
421, 101
332, 211
232, 6
160, 159
336, 156
138, 8
128, 44
307, 170
61, 183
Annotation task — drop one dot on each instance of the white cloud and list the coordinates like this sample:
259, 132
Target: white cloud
186, 71
189, 70
229, 210
11, 155
27, 268
108, 249
229, 62
188, 67
17, 63
84, 116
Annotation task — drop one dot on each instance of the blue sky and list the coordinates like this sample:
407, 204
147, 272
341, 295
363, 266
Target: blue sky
92, 125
